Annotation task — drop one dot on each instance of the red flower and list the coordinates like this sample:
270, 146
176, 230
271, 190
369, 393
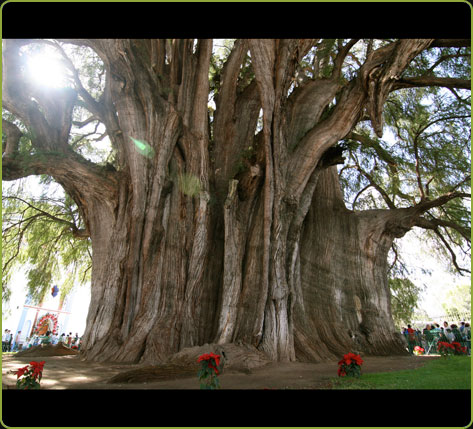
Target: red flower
351, 357
349, 364
37, 368
210, 357
21, 371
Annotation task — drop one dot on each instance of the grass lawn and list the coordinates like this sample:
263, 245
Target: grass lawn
453, 372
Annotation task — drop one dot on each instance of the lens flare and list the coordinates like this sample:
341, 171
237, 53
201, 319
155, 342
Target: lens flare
143, 148
47, 70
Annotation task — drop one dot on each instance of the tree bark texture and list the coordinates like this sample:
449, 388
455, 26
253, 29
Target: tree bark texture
235, 236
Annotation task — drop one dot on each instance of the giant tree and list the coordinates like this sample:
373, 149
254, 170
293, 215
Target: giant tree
226, 222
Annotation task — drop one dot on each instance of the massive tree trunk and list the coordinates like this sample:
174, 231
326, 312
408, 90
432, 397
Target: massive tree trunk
345, 297
234, 236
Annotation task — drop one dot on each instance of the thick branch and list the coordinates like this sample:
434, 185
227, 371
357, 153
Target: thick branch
72, 170
434, 223
382, 79
421, 81
427, 204
451, 43
13, 135
339, 59
374, 83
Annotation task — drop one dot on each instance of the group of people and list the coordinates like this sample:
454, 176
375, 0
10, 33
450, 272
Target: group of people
69, 340
7, 339
447, 333
10, 343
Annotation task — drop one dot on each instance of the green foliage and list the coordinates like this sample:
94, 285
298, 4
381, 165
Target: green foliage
404, 298
425, 153
37, 233
457, 300
211, 367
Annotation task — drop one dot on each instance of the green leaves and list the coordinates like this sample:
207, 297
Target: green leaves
404, 298
424, 156
210, 369
38, 233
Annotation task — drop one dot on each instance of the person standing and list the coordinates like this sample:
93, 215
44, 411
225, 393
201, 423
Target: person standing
411, 339
467, 333
18, 344
46, 339
5, 341
10, 338
449, 334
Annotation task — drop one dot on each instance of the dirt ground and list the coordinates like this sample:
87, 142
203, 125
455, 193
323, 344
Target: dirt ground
70, 372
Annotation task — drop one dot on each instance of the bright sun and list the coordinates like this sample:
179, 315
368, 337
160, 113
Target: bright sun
47, 70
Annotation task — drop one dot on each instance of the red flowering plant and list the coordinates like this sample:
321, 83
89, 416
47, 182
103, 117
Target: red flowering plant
458, 349
445, 349
30, 376
350, 365
208, 373
418, 350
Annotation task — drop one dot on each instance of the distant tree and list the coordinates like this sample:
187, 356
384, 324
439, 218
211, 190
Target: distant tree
404, 300
457, 301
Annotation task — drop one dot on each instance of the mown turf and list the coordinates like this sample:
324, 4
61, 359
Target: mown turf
453, 372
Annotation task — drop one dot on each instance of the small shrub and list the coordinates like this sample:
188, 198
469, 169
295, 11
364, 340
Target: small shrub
29, 377
208, 374
350, 365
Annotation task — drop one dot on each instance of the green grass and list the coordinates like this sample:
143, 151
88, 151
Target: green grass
450, 373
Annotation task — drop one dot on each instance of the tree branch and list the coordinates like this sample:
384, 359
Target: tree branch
373, 84
76, 231
380, 151
434, 223
421, 81
49, 121
426, 204
417, 168
452, 253
381, 191
13, 135
340, 58
451, 43
69, 169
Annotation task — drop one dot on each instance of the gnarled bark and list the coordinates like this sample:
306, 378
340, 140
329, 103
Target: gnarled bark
238, 238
